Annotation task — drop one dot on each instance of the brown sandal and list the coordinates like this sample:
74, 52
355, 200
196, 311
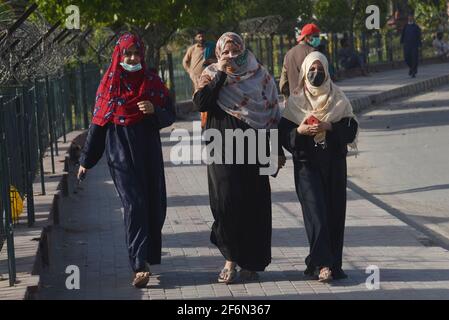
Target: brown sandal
141, 279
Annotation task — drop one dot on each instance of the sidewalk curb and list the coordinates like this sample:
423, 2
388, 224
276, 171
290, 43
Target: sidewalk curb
184, 108
360, 104
42, 258
33, 243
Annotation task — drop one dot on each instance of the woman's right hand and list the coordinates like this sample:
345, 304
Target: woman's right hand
81, 173
306, 130
222, 64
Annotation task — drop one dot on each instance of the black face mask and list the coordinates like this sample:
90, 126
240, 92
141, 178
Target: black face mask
316, 78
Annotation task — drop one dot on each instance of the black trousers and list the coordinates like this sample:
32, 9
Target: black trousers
411, 57
321, 190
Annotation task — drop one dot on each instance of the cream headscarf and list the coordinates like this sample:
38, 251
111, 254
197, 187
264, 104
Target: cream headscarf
326, 102
249, 93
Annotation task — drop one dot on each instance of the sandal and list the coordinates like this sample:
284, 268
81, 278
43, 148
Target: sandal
227, 276
248, 275
325, 275
141, 279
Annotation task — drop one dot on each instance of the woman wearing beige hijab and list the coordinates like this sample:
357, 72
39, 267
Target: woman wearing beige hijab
317, 125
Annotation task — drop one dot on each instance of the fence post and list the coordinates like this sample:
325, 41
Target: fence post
390, 47
27, 153
259, 48
38, 116
4, 184
271, 53
70, 79
50, 124
379, 47
171, 75
368, 48
62, 107
335, 51
281, 50
53, 116
363, 40
83, 97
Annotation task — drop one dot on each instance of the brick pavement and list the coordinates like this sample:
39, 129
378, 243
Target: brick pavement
91, 236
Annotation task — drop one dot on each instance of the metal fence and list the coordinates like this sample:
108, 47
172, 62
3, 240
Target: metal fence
376, 48
32, 119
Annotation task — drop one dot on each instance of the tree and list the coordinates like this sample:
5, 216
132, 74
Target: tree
158, 21
155, 21
347, 15
430, 14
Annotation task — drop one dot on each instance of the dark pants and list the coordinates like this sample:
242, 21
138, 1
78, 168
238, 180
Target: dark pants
411, 56
321, 190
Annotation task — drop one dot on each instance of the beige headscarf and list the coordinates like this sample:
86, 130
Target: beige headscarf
326, 102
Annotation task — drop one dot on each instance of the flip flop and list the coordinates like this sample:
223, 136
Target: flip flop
227, 276
141, 279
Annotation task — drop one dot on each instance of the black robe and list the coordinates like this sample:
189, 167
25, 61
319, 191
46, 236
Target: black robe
240, 197
320, 180
134, 156
411, 39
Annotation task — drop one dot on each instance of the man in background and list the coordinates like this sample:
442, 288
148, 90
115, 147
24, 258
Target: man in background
411, 40
309, 40
193, 61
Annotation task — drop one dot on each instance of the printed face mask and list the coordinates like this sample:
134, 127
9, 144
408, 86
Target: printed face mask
315, 42
316, 78
241, 59
130, 67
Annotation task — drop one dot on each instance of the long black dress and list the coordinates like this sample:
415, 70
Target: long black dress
240, 198
320, 180
134, 156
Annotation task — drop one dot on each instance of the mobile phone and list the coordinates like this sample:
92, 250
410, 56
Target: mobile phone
312, 120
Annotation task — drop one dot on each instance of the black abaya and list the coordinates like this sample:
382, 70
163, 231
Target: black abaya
240, 197
320, 180
134, 156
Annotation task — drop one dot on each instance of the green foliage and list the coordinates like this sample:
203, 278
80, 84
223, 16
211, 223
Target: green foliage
430, 14
346, 15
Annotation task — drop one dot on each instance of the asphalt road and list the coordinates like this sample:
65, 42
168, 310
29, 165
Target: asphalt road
403, 165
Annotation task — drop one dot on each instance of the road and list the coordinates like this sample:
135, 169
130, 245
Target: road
403, 164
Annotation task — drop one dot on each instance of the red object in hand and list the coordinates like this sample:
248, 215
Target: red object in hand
312, 120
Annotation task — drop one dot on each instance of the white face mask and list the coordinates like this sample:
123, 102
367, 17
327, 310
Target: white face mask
130, 67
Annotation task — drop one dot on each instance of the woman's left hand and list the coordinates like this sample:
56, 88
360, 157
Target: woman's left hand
322, 126
146, 107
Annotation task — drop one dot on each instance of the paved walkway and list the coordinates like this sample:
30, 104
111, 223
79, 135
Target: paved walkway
91, 236
380, 82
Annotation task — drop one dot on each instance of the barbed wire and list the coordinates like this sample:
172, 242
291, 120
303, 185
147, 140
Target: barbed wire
32, 47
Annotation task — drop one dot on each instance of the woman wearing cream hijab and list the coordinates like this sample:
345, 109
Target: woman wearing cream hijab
317, 125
